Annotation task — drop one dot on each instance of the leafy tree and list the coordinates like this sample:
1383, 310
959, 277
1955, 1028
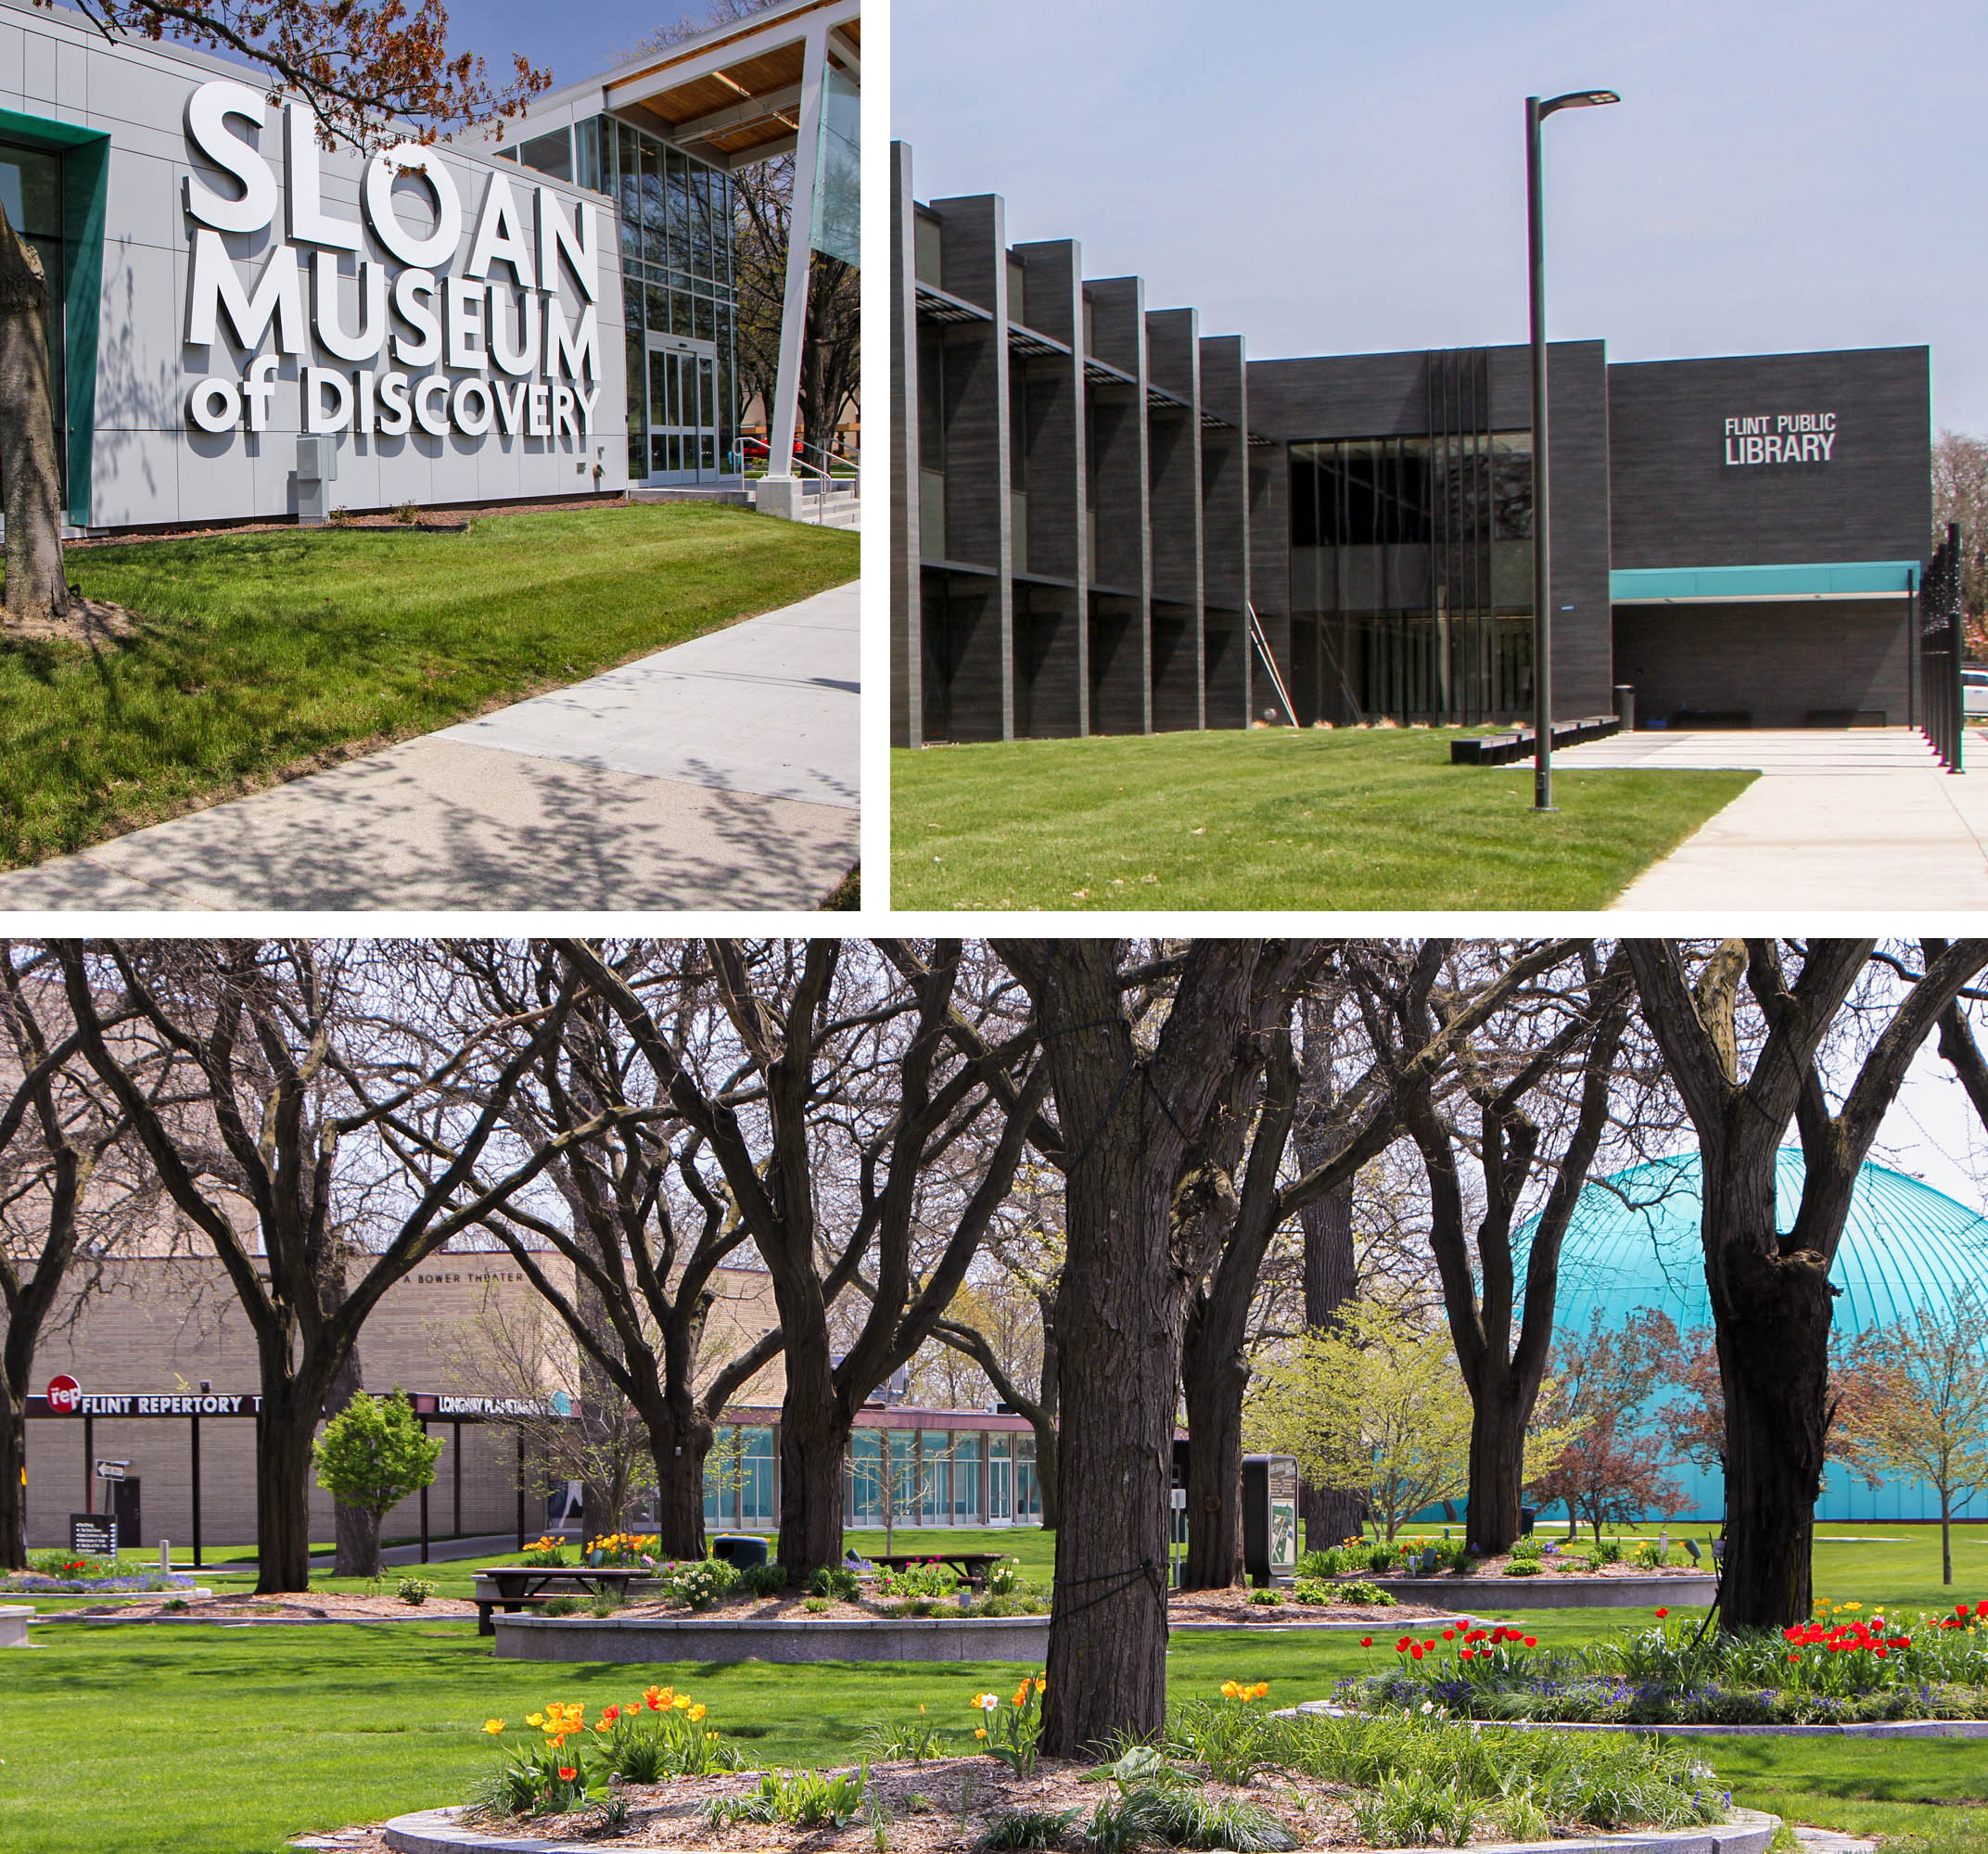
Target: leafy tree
375, 71
1376, 1401
1916, 1403
371, 1456
1610, 1472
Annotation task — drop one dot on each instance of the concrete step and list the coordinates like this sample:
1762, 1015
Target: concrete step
733, 497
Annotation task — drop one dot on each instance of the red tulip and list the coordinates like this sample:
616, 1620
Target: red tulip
1662, 1613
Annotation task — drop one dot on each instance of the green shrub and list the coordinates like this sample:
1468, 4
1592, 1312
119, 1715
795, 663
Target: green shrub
1415, 1811
767, 1579
1312, 1591
1359, 1590
817, 1605
1603, 1552
1532, 1547
562, 1606
1649, 1556
698, 1585
837, 1583
1005, 1577
922, 1580
1329, 1562
1523, 1568
602, 1605
416, 1589
1266, 1599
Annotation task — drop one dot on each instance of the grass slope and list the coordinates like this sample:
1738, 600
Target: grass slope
265, 654
1352, 818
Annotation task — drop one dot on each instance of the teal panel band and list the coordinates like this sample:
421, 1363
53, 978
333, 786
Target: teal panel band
1824, 579
85, 188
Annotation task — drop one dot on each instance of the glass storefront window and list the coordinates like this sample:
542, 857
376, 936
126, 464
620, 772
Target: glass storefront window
966, 1479
1027, 1491
934, 1447
755, 1480
1000, 1478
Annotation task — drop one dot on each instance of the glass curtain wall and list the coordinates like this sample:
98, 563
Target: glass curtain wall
674, 215
1411, 565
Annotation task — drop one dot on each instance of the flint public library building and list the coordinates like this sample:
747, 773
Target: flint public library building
164, 1370
245, 326
1092, 497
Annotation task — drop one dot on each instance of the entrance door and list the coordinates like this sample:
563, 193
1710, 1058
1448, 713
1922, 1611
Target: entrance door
683, 409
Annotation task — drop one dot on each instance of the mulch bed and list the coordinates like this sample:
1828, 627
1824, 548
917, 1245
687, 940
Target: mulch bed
91, 621
944, 1804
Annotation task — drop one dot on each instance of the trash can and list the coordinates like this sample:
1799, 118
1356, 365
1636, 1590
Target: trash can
740, 1550
1527, 1519
1626, 705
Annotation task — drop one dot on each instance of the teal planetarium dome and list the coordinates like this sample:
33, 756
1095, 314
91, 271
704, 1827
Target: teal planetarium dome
1634, 1243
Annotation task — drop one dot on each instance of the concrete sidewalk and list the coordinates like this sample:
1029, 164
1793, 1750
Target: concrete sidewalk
720, 773
1858, 818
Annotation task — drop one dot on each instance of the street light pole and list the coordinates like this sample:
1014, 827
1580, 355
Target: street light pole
1535, 113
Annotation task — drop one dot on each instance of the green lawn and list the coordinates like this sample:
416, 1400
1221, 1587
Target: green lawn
229, 1739
1273, 819
265, 654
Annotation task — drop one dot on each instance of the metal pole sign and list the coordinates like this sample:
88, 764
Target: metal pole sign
111, 1471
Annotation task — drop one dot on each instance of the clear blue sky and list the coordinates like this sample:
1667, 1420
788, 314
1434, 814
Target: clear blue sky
1331, 178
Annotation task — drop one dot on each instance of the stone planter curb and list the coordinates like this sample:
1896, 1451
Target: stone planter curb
1869, 1728
1552, 1591
14, 1620
436, 1831
927, 1638
1381, 1626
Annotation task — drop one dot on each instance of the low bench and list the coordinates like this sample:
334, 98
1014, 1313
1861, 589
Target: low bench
1517, 742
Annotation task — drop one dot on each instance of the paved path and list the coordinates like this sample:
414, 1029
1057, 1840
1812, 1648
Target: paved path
1858, 818
720, 773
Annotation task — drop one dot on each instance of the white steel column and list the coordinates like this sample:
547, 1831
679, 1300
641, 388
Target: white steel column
783, 412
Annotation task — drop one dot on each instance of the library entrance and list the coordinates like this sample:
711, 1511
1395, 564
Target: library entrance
683, 411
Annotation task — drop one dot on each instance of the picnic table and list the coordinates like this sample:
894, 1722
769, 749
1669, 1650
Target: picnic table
520, 1585
972, 1565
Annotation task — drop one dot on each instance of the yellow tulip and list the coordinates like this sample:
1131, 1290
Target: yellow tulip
494, 1726
681, 1702
696, 1712
534, 1718
980, 1732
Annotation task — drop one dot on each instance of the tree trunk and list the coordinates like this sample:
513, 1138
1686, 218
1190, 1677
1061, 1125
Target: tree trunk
680, 1455
1107, 1655
1214, 1378
814, 1438
13, 1492
1774, 1361
283, 1437
1946, 1537
1047, 1455
1332, 1514
31, 464
1499, 1416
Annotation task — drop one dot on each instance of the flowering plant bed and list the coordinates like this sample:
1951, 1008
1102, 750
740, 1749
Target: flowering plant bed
1842, 1668
38, 1583
1226, 1772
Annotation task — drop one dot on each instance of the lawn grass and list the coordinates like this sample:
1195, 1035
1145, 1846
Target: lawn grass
222, 1741
1352, 818
265, 654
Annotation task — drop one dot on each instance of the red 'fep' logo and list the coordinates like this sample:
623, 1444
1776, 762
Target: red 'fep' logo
64, 1394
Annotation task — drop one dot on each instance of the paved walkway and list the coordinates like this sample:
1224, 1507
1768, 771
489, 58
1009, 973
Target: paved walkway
720, 773
1858, 819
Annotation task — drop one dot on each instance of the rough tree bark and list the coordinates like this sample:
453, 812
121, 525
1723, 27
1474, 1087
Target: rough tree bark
30, 459
1140, 1185
1769, 1288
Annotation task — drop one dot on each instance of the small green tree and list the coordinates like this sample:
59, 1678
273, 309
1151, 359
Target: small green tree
1375, 1402
1915, 1401
371, 1456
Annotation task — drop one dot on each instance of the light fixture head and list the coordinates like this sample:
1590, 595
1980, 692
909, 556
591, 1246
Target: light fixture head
1579, 99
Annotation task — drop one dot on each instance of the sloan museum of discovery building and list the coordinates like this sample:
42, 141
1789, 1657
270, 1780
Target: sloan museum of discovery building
247, 324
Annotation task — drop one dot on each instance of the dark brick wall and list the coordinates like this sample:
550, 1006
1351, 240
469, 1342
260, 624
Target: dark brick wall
1387, 395
1677, 503
1779, 662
